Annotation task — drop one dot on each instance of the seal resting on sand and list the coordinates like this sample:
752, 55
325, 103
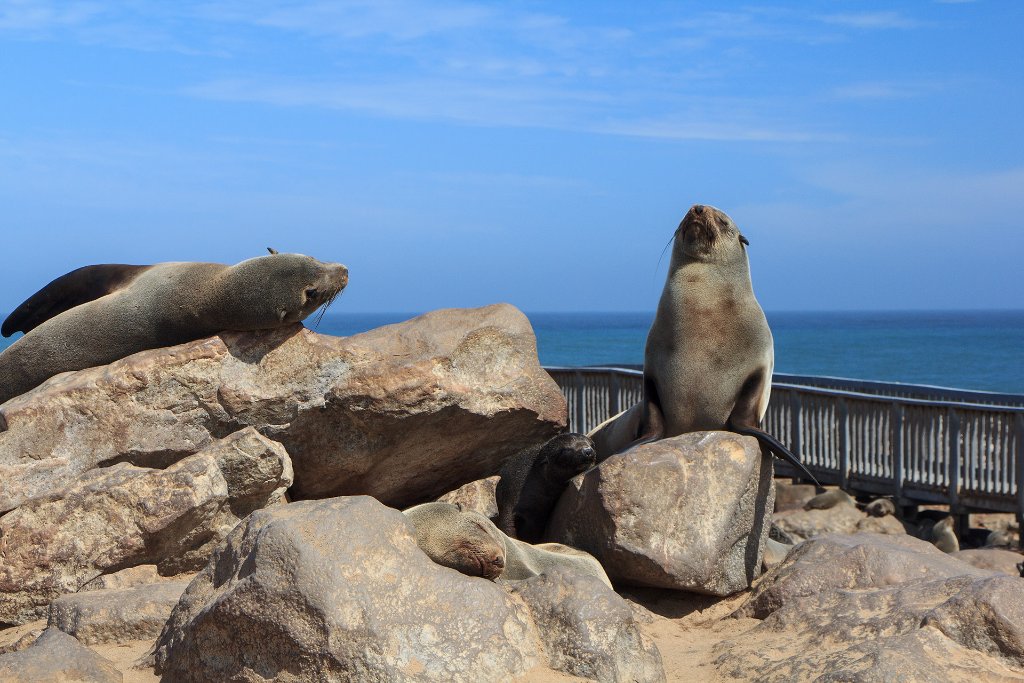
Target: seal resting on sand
98, 314
709, 356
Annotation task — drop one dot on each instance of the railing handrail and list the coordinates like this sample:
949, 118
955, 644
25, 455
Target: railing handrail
827, 391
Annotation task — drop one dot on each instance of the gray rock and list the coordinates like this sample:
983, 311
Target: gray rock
120, 516
690, 512
789, 496
118, 615
842, 518
405, 413
56, 657
995, 559
337, 589
588, 630
879, 608
839, 562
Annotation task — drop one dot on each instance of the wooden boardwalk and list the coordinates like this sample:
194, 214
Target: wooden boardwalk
918, 444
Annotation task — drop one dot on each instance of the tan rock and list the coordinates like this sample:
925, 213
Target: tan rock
690, 512
477, 496
840, 519
338, 589
996, 559
116, 616
789, 496
56, 657
123, 515
405, 413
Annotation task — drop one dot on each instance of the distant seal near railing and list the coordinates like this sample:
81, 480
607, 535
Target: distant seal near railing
709, 355
98, 314
533, 479
830, 499
468, 542
944, 537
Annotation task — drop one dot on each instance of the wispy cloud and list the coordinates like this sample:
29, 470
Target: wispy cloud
870, 20
887, 90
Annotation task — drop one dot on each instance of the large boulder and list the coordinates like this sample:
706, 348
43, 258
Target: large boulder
405, 412
56, 657
338, 589
872, 607
122, 515
690, 512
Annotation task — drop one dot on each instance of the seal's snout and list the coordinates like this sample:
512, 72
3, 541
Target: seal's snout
340, 277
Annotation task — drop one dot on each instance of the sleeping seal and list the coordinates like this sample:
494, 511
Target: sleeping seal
98, 314
709, 355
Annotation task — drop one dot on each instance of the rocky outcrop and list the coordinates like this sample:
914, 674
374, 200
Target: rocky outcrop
690, 512
840, 519
122, 515
56, 657
118, 615
995, 559
789, 496
339, 589
405, 412
873, 607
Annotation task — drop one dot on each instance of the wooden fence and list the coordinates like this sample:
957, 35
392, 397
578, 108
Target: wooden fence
919, 444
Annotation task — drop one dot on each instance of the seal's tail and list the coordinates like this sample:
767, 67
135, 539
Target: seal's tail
773, 445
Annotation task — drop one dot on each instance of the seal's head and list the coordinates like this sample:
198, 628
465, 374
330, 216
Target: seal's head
279, 289
707, 234
462, 540
566, 455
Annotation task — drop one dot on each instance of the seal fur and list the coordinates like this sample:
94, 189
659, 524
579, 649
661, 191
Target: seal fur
533, 480
469, 542
98, 314
709, 355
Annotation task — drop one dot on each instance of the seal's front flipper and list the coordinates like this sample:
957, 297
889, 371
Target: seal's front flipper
652, 420
771, 444
73, 289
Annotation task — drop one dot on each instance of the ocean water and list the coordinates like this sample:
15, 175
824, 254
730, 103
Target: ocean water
981, 350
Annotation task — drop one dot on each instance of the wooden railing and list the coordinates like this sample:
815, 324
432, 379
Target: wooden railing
919, 444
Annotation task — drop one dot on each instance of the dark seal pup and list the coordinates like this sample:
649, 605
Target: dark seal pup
98, 314
709, 355
533, 479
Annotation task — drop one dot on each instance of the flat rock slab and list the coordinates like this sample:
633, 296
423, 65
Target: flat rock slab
118, 615
56, 657
871, 607
996, 559
691, 512
337, 589
405, 412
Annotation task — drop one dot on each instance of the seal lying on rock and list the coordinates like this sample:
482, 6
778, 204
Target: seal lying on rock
880, 507
98, 314
470, 543
532, 481
709, 355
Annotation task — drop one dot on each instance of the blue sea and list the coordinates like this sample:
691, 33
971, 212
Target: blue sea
966, 350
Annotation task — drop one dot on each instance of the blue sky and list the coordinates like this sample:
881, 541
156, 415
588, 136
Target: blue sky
458, 154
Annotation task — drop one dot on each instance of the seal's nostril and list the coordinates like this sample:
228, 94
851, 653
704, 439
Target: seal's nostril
588, 452
698, 209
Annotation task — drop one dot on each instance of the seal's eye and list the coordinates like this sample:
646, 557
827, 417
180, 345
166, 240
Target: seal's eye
744, 240
311, 293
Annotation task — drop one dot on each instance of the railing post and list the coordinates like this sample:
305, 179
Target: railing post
614, 387
844, 444
896, 441
1018, 428
795, 424
953, 466
578, 420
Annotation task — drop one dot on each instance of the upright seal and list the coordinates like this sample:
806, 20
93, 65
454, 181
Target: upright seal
709, 355
533, 479
98, 314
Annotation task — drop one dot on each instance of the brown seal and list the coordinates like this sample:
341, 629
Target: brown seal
98, 314
709, 356
470, 543
533, 479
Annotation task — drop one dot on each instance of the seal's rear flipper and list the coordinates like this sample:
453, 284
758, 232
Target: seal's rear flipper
73, 289
773, 445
